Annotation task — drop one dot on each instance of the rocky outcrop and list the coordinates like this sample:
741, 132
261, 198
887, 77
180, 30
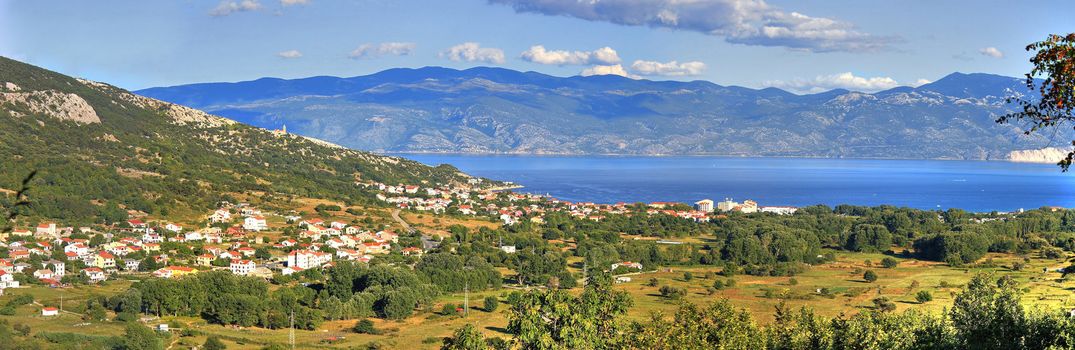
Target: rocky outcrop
1050, 155
63, 106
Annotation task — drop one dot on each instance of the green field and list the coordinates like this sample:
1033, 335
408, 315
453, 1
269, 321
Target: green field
849, 294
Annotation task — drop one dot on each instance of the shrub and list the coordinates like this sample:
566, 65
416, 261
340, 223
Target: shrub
490, 304
889, 263
688, 276
673, 293
365, 326
718, 284
923, 297
869, 276
652, 282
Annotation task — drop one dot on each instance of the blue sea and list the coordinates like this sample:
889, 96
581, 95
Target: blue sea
925, 184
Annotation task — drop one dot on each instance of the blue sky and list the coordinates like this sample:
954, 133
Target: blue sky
799, 46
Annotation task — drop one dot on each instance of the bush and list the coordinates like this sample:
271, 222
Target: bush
673, 293
652, 282
448, 310
923, 297
884, 304
213, 343
490, 304
889, 263
365, 326
718, 284
688, 276
869, 276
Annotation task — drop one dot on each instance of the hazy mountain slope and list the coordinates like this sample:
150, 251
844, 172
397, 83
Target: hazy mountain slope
493, 110
97, 147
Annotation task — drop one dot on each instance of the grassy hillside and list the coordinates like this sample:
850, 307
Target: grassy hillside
129, 152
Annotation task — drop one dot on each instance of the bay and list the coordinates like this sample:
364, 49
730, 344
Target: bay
925, 184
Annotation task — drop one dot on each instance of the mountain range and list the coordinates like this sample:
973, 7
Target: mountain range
98, 152
495, 110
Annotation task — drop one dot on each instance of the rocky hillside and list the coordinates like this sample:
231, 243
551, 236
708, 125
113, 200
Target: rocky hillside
492, 110
99, 150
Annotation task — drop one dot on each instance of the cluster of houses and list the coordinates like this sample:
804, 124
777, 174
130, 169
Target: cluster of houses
234, 248
523, 206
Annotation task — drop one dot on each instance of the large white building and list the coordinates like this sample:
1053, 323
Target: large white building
727, 205
705, 205
305, 259
242, 267
255, 223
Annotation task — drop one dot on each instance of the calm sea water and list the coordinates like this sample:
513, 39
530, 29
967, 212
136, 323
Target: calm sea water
924, 184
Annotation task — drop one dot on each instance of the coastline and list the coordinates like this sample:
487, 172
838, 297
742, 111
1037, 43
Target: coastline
698, 155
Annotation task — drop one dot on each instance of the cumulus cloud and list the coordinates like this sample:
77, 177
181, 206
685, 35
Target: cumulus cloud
920, 82
603, 56
473, 52
991, 52
671, 69
845, 80
227, 7
382, 49
748, 22
289, 54
613, 69
294, 2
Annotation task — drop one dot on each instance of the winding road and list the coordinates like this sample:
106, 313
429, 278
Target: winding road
428, 243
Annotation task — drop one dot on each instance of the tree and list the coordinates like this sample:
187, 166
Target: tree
213, 343
987, 314
884, 304
466, 338
869, 276
491, 304
1055, 61
365, 326
889, 263
139, 337
923, 297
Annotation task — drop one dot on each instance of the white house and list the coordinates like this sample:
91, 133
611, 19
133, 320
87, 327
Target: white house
49, 311
305, 259
173, 227
255, 223
242, 267
220, 215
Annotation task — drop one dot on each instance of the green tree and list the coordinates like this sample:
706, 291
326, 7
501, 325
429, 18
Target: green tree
889, 263
490, 304
923, 297
1053, 80
987, 314
139, 337
869, 276
466, 338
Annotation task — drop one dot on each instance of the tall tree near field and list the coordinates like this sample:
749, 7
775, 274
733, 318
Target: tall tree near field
1054, 62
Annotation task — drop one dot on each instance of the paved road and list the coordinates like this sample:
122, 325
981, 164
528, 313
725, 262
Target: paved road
428, 243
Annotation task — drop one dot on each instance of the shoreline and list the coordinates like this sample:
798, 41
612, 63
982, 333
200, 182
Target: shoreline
692, 155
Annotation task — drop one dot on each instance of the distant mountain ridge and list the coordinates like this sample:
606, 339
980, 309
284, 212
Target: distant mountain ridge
496, 110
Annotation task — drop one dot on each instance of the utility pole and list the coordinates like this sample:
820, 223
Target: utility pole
466, 298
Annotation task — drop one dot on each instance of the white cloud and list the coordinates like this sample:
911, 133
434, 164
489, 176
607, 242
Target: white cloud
227, 7
473, 52
603, 56
748, 22
991, 52
613, 69
294, 2
845, 80
671, 69
289, 54
382, 49
920, 82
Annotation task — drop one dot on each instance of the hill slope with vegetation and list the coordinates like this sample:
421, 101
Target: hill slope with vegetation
97, 150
